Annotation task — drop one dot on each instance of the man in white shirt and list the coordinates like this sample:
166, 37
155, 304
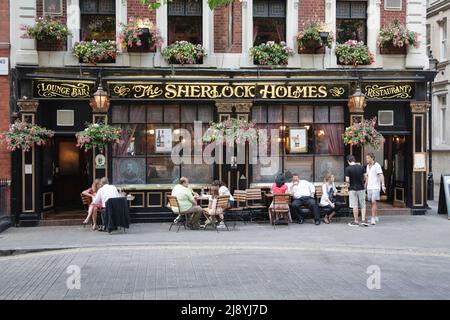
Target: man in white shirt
105, 192
373, 182
303, 193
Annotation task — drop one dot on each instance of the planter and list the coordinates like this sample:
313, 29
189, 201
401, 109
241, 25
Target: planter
107, 60
174, 61
311, 47
51, 45
390, 49
269, 65
141, 49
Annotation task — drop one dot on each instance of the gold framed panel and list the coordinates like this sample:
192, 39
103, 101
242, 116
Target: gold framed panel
160, 199
44, 206
143, 199
31, 117
297, 140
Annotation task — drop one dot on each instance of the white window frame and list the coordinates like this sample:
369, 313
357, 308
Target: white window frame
385, 124
443, 115
59, 124
393, 8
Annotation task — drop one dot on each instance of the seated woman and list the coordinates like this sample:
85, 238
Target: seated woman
279, 187
224, 191
213, 211
328, 199
93, 208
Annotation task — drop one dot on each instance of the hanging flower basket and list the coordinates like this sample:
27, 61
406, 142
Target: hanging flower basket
363, 133
50, 34
139, 39
98, 135
24, 135
233, 131
314, 38
394, 38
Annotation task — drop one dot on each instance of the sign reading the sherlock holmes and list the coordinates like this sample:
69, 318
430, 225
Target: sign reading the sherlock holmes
389, 91
181, 90
46, 89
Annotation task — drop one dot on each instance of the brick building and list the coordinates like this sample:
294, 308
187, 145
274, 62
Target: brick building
5, 163
306, 100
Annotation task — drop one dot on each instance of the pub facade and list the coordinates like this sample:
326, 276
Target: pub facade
304, 106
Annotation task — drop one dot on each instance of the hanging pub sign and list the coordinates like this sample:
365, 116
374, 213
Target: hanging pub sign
183, 90
389, 90
62, 89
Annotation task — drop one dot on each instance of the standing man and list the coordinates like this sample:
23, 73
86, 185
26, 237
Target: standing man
303, 193
375, 177
355, 177
187, 203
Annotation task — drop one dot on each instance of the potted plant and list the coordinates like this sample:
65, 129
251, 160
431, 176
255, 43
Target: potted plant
314, 38
271, 53
23, 135
233, 131
353, 53
97, 135
50, 34
394, 38
184, 52
95, 52
139, 39
363, 133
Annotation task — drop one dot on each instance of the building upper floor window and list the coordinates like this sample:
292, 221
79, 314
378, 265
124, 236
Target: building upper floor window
428, 39
351, 21
269, 21
185, 21
443, 40
443, 118
98, 20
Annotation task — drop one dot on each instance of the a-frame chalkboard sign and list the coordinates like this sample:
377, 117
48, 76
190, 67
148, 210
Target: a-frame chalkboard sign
444, 195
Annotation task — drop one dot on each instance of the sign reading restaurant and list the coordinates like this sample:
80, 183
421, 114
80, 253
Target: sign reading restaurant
389, 91
182, 90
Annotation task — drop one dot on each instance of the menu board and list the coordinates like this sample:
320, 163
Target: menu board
444, 195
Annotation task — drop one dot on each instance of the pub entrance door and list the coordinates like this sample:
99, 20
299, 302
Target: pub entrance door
233, 169
66, 176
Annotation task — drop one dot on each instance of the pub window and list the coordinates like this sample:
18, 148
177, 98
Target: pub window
98, 20
443, 118
185, 21
325, 148
428, 39
141, 156
443, 40
351, 21
269, 21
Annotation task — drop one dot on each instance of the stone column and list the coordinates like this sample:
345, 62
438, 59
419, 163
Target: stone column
28, 109
419, 156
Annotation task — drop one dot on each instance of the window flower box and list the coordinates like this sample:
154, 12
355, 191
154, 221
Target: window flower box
184, 52
95, 52
353, 53
271, 54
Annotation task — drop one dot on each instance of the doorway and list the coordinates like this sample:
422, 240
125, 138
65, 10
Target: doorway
233, 170
70, 174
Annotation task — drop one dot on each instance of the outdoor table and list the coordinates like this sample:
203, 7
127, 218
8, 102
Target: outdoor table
201, 200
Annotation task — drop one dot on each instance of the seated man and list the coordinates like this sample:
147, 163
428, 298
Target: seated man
187, 203
303, 194
104, 193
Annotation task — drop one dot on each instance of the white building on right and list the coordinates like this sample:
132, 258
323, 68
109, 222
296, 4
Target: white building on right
438, 20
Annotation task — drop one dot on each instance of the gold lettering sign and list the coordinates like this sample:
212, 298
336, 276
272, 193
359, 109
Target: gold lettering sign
58, 89
389, 91
130, 90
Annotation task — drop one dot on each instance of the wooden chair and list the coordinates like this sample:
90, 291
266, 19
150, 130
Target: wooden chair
86, 200
223, 204
281, 206
173, 203
254, 201
240, 199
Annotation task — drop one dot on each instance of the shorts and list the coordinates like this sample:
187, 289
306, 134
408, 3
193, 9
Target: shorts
357, 199
373, 195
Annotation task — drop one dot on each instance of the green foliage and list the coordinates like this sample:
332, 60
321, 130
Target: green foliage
95, 52
24, 135
183, 52
311, 35
97, 135
363, 133
397, 35
156, 4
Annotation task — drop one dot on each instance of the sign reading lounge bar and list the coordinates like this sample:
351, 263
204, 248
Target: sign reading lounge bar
62, 89
389, 91
158, 91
